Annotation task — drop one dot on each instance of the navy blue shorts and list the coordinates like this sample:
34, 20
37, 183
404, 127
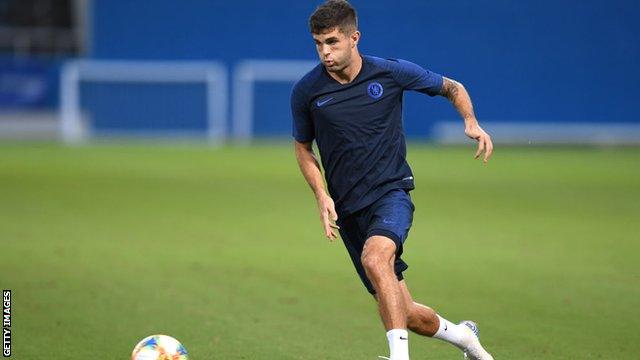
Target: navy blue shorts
390, 216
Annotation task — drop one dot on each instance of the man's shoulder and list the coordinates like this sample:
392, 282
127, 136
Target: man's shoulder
383, 63
392, 65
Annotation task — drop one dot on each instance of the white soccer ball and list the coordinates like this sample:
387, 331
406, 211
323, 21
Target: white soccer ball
159, 347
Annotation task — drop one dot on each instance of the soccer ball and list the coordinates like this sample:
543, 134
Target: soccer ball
159, 347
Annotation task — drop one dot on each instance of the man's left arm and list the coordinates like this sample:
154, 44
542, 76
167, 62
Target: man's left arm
459, 97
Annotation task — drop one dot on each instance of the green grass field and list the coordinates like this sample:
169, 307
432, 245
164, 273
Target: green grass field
222, 249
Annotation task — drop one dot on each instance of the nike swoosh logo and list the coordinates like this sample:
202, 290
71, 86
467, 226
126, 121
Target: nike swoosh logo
445, 326
386, 221
320, 103
403, 338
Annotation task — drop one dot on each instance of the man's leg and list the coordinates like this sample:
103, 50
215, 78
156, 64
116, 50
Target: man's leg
425, 321
421, 319
378, 258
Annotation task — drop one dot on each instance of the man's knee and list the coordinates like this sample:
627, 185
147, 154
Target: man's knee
373, 263
378, 253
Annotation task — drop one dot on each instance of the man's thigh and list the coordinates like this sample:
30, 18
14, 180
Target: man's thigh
391, 217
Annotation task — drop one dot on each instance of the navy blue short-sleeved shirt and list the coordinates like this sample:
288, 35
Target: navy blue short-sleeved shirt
358, 127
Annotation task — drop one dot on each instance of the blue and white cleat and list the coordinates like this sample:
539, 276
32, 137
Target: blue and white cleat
475, 351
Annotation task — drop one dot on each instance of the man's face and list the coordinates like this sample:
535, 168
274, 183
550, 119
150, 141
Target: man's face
335, 48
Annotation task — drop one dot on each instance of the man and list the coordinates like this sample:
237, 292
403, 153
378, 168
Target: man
351, 105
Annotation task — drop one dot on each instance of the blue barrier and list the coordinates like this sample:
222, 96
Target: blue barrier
27, 83
521, 60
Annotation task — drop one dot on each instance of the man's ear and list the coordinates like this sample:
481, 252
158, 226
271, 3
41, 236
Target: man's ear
355, 37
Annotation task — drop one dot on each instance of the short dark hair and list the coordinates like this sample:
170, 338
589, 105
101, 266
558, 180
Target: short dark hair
331, 14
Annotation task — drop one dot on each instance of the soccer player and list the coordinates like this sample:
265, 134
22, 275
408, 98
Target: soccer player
351, 105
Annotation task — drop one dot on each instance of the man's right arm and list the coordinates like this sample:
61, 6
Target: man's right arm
310, 168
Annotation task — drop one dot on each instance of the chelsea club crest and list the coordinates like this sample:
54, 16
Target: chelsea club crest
375, 90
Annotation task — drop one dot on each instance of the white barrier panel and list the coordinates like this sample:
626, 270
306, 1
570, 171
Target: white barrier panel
212, 74
246, 74
531, 133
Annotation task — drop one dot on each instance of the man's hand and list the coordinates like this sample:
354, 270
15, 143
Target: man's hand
328, 216
474, 131
459, 97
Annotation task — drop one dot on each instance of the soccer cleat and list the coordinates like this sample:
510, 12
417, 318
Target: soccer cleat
475, 351
473, 326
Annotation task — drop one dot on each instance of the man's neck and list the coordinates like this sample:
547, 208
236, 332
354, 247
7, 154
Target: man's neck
350, 72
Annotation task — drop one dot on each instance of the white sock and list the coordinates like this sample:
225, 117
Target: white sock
398, 344
458, 335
